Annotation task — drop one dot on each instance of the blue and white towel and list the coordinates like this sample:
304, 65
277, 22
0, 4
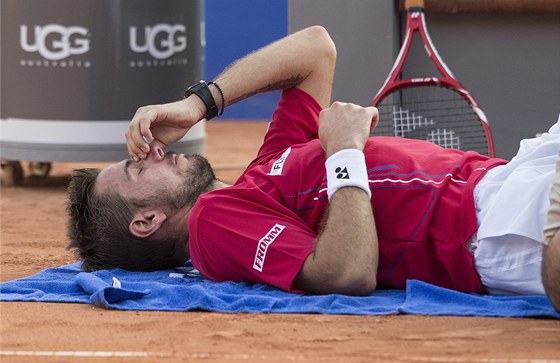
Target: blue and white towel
184, 289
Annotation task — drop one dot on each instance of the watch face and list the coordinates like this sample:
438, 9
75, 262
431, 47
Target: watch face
197, 85
193, 88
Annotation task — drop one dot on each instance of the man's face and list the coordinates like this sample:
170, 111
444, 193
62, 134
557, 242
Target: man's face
170, 180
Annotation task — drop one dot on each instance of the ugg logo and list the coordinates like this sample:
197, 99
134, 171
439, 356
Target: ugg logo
161, 41
55, 41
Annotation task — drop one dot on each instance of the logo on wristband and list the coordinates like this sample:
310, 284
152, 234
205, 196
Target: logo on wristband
341, 173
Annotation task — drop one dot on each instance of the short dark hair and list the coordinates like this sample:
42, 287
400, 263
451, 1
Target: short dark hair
98, 229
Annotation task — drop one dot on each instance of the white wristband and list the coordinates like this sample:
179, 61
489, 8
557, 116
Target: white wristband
347, 168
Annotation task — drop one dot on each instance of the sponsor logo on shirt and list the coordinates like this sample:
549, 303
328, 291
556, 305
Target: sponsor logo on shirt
264, 242
279, 164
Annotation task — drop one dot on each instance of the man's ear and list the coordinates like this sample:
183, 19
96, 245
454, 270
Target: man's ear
146, 222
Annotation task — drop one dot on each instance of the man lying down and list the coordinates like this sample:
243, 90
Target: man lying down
323, 208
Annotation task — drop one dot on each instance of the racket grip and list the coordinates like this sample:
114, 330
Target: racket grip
409, 4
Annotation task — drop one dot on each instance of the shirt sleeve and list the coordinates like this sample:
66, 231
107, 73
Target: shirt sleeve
254, 239
295, 121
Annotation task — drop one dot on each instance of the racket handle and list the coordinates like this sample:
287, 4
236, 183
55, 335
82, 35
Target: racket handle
411, 4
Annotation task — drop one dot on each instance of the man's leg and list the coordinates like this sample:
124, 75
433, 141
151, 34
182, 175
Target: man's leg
512, 202
510, 264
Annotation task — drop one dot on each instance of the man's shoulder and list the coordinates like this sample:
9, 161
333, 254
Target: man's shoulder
225, 199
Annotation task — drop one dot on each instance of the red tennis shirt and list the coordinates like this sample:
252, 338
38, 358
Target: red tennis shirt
261, 229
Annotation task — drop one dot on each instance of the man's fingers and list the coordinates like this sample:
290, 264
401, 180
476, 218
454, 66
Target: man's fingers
136, 140
374, 112
134, 149
145, 135
374, 117
139, 134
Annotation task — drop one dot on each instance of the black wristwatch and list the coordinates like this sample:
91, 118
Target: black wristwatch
203, 92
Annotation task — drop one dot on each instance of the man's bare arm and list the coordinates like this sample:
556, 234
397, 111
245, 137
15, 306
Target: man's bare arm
345, 256
551, 271
344, 260
305, 59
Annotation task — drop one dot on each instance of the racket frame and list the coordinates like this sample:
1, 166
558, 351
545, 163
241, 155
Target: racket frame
416, 23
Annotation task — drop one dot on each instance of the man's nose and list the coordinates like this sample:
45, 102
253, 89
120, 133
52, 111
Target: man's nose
156, 153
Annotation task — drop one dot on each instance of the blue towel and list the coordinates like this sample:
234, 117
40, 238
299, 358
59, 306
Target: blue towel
184, 289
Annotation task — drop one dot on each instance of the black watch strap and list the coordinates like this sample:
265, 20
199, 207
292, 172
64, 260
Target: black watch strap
203, 92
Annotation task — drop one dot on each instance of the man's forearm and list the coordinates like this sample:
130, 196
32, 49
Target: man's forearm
345, 256
305, 59
551, 271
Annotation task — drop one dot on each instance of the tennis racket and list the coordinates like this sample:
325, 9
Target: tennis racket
436, 109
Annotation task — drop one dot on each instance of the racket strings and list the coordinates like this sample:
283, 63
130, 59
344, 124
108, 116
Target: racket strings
432, 113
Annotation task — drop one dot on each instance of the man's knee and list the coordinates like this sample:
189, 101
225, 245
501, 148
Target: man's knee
551, 271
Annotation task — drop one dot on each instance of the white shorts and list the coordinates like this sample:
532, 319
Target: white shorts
511, 205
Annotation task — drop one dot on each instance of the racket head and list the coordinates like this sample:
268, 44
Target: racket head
434, 111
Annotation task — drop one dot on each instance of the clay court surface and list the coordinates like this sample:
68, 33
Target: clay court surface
33, 238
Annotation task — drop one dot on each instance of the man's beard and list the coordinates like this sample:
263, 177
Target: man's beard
199, 179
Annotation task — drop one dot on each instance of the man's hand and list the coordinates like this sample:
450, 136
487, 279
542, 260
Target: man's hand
346, 126
166, 123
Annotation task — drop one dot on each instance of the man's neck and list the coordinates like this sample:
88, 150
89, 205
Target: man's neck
218, 184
